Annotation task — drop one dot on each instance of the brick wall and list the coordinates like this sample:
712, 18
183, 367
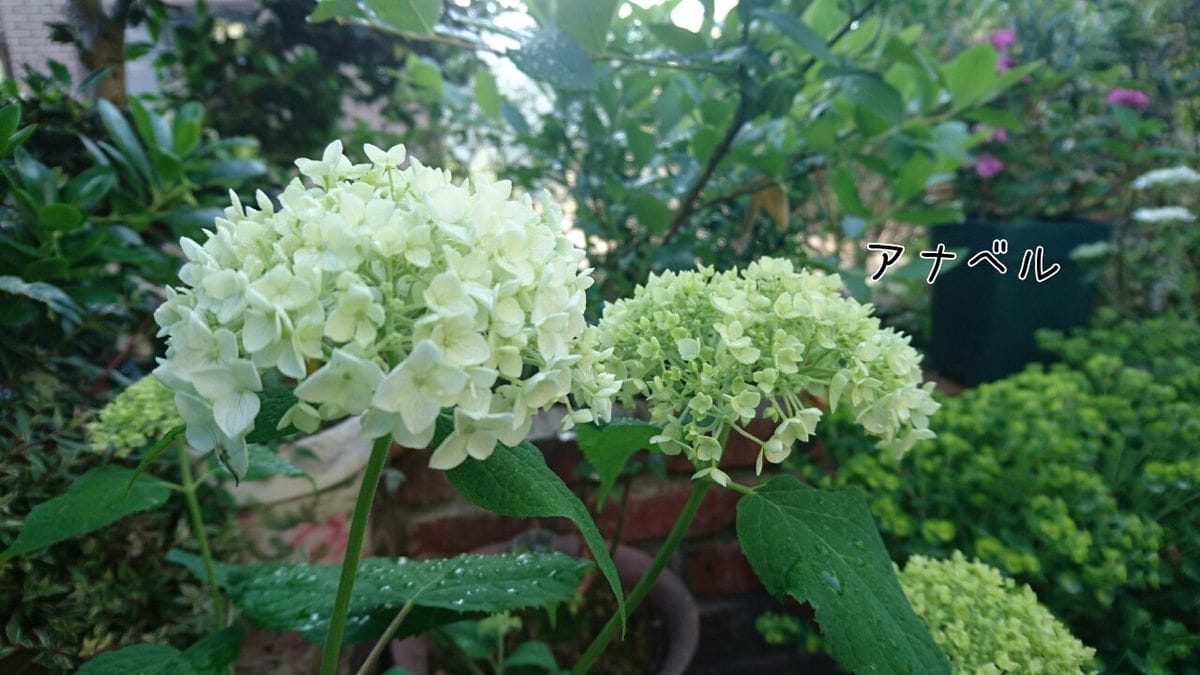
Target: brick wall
27, 38
425, 518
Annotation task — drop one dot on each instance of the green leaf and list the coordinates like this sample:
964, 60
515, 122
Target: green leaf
516, 482
139, 660
799, 32
934, 215
996, 117
153, 129
587, 21
297, 596
822, 548
10, 117
869, 92
264, 463
487, 94
88, 188
49, 295
912, 176
94, 500
187, 128
555, 58
273, 404
677, 39
607, 448
651, 212
532, 654
846, 189
424, 73
158, 449
332, 9
228, 172
215, 653
970, 75
409, 16
60, 217
121, 133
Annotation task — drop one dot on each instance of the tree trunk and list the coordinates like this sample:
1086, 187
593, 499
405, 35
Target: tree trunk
100, 40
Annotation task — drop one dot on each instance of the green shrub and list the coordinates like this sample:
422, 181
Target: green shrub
1075, 482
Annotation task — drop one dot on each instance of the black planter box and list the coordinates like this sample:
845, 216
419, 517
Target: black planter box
984, 322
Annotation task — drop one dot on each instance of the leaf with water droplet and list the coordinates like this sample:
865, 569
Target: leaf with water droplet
822, 548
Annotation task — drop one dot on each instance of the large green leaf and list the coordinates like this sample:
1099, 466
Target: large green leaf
273, 404
215, 653
96, 499
410, 16
553, 57
609, 447
587, 21
822, 548
298, 596
971, 75
869, 92
516, 482
140, 660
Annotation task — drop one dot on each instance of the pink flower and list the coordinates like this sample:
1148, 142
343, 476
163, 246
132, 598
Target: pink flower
995, 135
1004, 63
987, 165
1128, 97
999, 136
1003, 39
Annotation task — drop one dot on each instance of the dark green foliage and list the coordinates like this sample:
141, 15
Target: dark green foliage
1078, 482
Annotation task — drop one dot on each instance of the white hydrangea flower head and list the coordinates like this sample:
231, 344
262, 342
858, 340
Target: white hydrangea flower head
1164, 214
712, 351
388, 294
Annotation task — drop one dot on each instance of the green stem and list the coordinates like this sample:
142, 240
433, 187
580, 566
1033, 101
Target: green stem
643, 586
358, 528
210, 569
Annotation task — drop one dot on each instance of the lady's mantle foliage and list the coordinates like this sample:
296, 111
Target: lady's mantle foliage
387, 294
708, 349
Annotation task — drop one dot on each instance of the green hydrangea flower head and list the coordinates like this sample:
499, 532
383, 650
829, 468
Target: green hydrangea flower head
386, 292
711, 351
136, 418
986, 623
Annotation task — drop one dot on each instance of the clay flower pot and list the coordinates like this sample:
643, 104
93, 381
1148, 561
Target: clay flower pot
669, 599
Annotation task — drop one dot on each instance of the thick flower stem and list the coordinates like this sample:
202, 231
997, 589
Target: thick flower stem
358, 529
644, 584
210, 569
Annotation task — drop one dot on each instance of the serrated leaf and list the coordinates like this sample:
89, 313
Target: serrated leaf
139, 660
410, 16
298, 596
487, 94
516, 482
587, 22
94, 500
273, 404
608, 448
215, 653
553, 57
822, 548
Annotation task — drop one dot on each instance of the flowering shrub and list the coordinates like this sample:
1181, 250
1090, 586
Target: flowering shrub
136, 418
1059, 479
383, 293
709, 349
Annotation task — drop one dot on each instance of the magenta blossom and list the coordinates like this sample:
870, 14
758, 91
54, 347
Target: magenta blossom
1003, 39
996, 135
1004, 63
987, 166
1128, 97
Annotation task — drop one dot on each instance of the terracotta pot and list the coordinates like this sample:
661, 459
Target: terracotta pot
669, 598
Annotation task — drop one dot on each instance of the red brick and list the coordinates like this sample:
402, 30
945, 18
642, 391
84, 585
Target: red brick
654, 506
720, 568
422, 485
459, 529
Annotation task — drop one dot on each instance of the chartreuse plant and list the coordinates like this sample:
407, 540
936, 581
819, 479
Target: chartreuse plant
446, 314
984, 621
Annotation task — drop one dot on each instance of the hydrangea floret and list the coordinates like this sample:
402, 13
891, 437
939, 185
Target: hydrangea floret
387, 294
988, 624
140, 415
712, 351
